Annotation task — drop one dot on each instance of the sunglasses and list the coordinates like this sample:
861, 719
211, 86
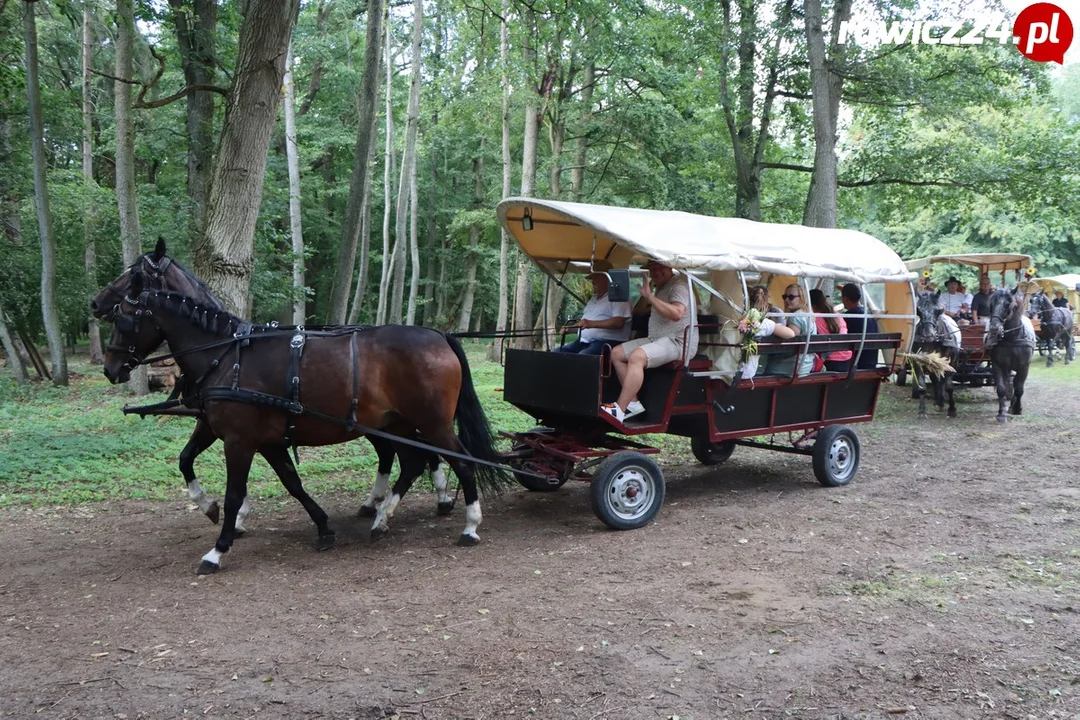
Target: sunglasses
790, 297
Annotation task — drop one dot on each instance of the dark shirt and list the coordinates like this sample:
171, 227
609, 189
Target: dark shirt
1061, 302
869, 358
980, 303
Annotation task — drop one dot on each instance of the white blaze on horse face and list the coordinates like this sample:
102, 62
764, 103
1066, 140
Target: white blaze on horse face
438, 479
386, 511
213, 557
473, 518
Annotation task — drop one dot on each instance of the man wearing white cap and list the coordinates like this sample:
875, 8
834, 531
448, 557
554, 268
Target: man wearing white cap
603, 322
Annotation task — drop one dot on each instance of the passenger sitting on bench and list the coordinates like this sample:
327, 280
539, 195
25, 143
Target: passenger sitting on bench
851, 297
670, 317
769, 328
799, 320
603, 322
839, 360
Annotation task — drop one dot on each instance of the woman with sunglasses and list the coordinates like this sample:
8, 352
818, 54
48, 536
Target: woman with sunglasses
799, 320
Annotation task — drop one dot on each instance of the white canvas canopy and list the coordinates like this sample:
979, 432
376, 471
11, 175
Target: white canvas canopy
1068, 282
986, 262
564, 232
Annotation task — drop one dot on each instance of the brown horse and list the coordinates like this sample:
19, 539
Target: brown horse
159, 271
261, 389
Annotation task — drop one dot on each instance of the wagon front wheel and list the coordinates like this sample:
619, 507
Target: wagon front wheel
836, 455
627, 491
710, 453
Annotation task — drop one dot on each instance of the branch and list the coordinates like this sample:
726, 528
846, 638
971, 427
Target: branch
873, 181
140, 101
901, 181
181, 94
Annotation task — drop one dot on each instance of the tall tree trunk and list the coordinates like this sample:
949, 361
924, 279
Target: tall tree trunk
471, 258
365, 254
49, 310
581, 149
821, 200
97, 357
365, 133
504, 241
414, 244
196, 45
408, 163
523, 294
223, 258
12, 351
388, 187
433, 242
130, 242
10, 225
440, 290
299, 313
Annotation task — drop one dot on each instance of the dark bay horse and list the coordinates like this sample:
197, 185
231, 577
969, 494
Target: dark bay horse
1011, 342
932, 334
159, 271
261, 388
1055, 327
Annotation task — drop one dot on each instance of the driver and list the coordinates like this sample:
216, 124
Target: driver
669, 323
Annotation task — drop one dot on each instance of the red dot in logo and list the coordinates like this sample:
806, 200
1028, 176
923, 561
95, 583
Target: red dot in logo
1043, 32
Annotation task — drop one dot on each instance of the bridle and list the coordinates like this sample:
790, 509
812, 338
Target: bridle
998, 320
154, 273
129, 324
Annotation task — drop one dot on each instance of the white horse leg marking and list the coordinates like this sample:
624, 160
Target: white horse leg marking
213, 557
386, 511
378, 491
473, 518
198, 496
245, 510
438, 479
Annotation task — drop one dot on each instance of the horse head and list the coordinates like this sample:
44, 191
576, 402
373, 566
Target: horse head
926, 331
135, 333
1005, 311
159, 271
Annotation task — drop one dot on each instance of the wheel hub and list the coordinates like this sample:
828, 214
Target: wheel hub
631, 493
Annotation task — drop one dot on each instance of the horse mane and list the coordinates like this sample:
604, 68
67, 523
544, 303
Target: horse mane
217, 321
191, 277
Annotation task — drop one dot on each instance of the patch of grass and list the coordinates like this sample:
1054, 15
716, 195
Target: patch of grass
61, 446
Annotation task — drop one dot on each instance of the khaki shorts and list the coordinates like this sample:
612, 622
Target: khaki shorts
659, 352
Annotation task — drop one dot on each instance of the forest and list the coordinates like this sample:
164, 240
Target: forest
336, 161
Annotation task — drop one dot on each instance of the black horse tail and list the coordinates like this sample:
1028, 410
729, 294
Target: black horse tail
474, 431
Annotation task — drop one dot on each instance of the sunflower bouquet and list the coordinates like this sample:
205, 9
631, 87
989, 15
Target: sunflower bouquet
749, 327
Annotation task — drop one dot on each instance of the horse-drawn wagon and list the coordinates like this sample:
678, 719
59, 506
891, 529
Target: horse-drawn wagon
703, 398
972, 360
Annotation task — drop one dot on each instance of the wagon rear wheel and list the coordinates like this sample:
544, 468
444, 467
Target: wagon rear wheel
627, 491
710, 453
836, 455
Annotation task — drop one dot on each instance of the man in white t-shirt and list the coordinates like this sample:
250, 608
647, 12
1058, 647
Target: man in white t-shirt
603, 322
951, 301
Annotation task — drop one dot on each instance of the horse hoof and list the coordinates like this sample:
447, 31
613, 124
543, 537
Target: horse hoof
378, 534
214, 513
445, 508
366, 511
208, 568
324, 542
1001, 419
467, 540
239, 532
952, 413
922, 416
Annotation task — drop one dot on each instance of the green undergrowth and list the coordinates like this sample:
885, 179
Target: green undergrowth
61, 446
